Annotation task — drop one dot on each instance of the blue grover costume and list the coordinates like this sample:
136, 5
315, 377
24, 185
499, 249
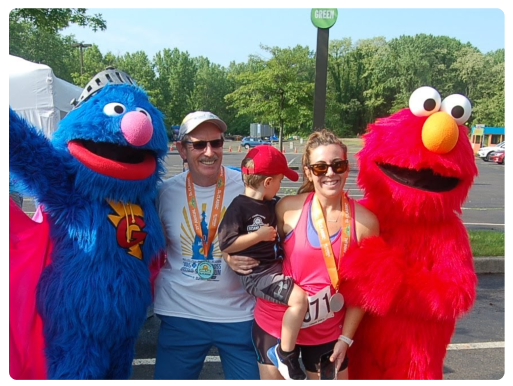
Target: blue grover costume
96, 180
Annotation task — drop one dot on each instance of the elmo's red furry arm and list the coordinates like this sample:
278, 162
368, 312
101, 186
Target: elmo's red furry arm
444, 289
371, 275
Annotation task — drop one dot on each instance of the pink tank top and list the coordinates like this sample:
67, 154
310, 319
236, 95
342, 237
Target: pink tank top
305, 264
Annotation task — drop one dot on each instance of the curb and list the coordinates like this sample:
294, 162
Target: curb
493, 264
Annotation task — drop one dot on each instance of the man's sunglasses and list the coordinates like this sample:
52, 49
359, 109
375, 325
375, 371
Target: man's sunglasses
338, 167
202, 145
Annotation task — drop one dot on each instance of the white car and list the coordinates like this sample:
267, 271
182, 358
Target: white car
485, 152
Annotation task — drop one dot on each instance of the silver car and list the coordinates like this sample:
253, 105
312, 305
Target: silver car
485, 152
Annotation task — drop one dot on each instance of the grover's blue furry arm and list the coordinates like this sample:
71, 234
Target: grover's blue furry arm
32, 160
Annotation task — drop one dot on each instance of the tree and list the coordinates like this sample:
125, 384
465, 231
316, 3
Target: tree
34, 36
27, 42
175, 81
210, 86
93, 64
279, 91
139, 67
55, 19
489, 107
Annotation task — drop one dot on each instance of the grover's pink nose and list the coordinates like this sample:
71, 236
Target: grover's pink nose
137, 128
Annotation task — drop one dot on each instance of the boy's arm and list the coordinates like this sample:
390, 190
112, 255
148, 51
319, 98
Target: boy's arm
264, 233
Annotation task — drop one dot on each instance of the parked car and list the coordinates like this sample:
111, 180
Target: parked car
248, 142
498, 156
485, 152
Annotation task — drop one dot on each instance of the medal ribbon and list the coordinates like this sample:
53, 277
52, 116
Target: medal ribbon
215, 217
320, 226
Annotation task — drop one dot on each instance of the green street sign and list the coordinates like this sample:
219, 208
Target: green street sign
324, 17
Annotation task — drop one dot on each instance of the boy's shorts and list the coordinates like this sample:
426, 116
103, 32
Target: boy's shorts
271, 284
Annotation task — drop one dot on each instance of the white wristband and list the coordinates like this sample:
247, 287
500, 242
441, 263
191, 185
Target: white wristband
344, 338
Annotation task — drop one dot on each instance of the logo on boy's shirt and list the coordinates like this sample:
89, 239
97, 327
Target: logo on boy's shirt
258, 221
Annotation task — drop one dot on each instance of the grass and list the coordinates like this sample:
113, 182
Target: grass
487, 243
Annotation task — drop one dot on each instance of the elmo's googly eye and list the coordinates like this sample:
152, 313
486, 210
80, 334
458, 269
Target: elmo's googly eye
141, 110
425, 101
114, 109
458, 107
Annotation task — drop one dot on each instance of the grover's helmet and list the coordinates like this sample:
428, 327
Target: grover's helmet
109, 75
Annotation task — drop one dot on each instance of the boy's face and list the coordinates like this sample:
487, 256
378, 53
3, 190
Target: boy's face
272, 185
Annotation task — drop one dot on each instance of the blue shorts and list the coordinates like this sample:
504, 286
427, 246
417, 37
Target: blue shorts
183, 345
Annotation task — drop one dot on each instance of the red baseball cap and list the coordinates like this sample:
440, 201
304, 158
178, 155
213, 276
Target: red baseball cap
269, 161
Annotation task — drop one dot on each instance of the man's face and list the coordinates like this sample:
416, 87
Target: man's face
204, 164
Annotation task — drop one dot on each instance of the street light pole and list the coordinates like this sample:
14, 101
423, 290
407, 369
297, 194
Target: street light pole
81, 46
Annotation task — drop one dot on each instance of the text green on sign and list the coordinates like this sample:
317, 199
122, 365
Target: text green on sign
324, 17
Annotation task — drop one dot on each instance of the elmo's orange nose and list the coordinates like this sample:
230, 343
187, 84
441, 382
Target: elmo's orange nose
440, 133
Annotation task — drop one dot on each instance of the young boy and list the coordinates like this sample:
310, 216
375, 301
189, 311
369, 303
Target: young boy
248, 228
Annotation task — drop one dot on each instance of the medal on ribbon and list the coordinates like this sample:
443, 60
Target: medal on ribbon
205, 270
337, 299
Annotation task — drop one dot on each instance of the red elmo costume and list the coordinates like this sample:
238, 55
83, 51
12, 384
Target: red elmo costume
416, 167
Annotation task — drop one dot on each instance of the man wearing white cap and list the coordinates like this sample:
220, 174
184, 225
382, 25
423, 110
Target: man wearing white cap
199, 300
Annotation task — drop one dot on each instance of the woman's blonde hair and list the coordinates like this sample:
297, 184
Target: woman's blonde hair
323, 137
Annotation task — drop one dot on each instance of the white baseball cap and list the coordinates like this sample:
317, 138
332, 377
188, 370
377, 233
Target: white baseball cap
193, 120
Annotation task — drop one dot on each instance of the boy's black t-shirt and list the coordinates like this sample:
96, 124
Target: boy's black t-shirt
245, 215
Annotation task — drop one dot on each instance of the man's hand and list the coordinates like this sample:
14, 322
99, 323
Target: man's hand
240, 264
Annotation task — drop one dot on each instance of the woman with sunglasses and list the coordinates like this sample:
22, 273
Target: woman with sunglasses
317, 227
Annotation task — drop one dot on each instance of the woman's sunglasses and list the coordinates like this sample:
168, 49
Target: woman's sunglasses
202, 145
338, 167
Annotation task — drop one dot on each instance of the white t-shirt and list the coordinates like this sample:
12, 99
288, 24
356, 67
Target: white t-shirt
179, 290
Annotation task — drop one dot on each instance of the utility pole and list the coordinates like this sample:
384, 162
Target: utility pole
323, 19
81, 46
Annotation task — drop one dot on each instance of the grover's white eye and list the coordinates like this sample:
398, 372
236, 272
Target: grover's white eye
425, 101
141, 110
458, 107
114, 109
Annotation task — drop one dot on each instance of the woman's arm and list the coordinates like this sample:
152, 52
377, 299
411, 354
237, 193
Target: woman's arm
367, 223
288, 211
351, 321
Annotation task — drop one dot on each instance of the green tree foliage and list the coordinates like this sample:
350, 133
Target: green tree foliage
490, 103
367, 79
210, 86
55, 19
175, 82
279, 90
27, 42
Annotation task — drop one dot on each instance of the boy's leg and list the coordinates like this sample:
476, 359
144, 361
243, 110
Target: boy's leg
182, 347
293, 318
236, 350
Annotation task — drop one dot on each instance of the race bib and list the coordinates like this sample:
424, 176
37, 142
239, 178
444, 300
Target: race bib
318, 308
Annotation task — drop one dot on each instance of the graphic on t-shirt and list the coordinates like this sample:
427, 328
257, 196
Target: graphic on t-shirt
198, 253
192, 247
257, 223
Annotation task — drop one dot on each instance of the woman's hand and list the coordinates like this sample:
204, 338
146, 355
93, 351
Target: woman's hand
339, 353
240, 264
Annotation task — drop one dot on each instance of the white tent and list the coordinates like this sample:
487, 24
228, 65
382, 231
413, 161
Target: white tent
36, 94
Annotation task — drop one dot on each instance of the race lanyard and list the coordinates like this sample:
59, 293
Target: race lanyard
216, 211
324, 237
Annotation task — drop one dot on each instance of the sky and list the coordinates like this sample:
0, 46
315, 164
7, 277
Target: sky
224, 35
